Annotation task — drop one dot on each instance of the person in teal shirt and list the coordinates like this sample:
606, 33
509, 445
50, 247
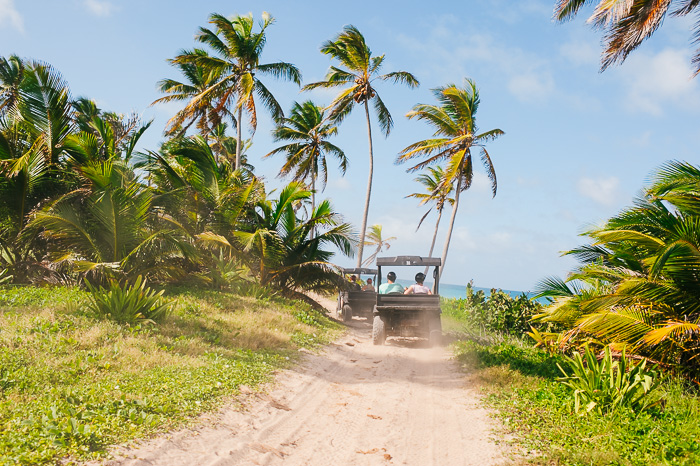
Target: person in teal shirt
390, 286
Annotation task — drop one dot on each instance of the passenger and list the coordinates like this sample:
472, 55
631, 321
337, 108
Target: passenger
418, 287
368, 286
354, 286
390, 286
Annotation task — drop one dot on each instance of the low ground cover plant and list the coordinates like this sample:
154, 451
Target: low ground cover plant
638, 418
71, 384
127, 303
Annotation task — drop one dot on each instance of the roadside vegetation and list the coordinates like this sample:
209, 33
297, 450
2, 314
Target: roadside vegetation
607, 371
73, 383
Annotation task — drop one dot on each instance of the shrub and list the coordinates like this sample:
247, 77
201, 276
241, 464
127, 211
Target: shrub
499, 312
609, 385
128, 304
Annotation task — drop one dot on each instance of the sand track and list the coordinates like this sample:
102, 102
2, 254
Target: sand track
353, 404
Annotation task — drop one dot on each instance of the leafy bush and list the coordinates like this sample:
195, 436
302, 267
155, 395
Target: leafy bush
609, 385
128, 304
520, 382
499, 312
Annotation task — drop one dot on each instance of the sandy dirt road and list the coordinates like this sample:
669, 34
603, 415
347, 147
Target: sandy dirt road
353, 404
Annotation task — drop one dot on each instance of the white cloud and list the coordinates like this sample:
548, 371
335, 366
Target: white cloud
602, 190
99, 7
532, 86
580, 52
451, 54
10, 15
655, 81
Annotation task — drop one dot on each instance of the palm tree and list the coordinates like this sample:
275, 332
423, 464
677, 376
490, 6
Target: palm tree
33, 137
283, 250
454, 119
438, 193
374, 238
351, 50
202, 107
627, 23
11, 75
308, 131
639, 282
107, 228
236, 65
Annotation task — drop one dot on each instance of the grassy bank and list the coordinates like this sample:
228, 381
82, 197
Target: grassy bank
520, 383
71, 385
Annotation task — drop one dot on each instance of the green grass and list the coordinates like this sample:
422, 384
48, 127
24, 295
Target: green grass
71, 385
519, 382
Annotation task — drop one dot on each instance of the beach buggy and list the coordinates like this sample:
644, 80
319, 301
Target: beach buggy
407, 315
356, 302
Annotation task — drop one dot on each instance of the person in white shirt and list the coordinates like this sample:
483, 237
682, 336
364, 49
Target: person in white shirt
418, 287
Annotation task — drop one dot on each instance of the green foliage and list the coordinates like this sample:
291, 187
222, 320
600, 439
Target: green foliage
129, 303
71, 385
5, 277
609, 385
535, 409
638, 285
499, 312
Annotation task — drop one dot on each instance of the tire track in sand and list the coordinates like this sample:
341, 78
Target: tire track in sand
354, 404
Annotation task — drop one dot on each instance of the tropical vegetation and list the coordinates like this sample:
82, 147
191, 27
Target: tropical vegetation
454, 118
628, 23
362, 69
637, 288
72, 385
436, 192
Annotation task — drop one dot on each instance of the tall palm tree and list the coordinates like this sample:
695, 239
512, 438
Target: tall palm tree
627, 23
455, 120
236, 64
202, 108
436, 193
362, 69
374, 238
307, 130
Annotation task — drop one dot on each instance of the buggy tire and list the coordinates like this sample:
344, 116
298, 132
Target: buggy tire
378, 331
435, 336
347, 313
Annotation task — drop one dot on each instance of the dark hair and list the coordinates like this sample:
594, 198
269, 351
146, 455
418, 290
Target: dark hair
391, 276
369, 280
420, 278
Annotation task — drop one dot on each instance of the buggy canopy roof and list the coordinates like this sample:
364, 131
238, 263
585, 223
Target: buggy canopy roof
409, 260
361, 271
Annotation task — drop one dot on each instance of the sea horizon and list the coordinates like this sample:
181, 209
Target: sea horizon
450, 290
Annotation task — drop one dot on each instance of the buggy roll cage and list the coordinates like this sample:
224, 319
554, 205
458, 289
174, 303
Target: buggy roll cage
407, 261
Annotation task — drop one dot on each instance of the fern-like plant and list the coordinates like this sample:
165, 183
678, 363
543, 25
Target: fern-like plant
128, 304
608, 385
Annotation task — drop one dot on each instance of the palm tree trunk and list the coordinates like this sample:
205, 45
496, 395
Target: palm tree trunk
452, 224
369, 190
238, 138
313, 202
432, 245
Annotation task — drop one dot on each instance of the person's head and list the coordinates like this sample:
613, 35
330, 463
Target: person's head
420, 278
353, 278
369, 281
391, 277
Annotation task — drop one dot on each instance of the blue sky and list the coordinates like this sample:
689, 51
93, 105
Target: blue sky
579, 145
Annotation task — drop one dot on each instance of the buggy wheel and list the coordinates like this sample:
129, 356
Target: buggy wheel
435, 337
347, 313
378, 331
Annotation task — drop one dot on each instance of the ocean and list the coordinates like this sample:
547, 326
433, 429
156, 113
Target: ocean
448, 290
